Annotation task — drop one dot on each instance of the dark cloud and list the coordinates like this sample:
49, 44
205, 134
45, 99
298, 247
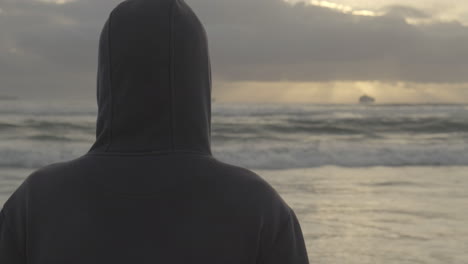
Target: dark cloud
405, 12
51, 47
272, 40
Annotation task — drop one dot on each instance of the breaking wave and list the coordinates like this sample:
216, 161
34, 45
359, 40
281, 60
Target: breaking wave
264, 136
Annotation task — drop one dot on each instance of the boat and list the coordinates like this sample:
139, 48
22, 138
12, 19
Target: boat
365, 99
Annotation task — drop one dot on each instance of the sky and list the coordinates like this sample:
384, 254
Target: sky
261, 50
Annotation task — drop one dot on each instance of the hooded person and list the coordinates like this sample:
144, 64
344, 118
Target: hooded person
149, 190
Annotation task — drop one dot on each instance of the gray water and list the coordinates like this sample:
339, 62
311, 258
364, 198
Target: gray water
370, 184
34, 133
391, 215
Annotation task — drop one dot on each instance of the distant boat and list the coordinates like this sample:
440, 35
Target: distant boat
365, 99
8, 98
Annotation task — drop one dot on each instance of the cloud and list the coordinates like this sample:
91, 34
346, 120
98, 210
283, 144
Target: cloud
344, 8
300, 42
405, 12
48, 48
52, 45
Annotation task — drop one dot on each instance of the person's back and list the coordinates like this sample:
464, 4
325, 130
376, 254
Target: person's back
149, 190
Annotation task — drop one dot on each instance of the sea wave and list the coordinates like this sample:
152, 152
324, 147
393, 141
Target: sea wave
345, 154
268, 137
45, 127
277, 128
348, 126
274, 155
38, 155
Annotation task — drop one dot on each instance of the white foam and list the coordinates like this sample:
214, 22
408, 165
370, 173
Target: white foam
343, 153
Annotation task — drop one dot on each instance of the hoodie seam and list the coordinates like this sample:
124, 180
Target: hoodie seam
172, 78
111, 112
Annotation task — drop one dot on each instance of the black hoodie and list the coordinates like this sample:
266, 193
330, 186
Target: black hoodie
149, 189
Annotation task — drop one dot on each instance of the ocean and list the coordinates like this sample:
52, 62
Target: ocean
369, 183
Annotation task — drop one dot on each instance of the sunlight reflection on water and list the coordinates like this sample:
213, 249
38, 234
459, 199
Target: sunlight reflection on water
379, 214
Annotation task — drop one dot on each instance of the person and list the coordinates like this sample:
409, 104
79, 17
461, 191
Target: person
149, 190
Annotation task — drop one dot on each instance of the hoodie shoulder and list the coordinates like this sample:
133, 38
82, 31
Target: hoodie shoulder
47, 174
40, 182
20, 195
250, 185
242, 175
15, 214
281, 239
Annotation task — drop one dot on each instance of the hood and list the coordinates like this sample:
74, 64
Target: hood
154, 80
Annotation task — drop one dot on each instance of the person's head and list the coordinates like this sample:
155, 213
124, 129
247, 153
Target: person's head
154, 79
